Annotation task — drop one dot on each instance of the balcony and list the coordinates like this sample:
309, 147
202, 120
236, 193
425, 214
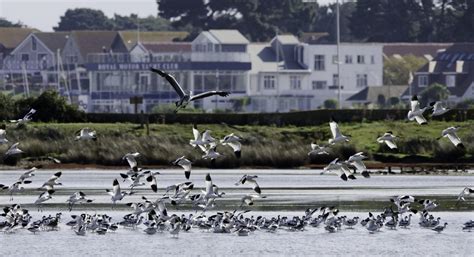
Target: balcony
219, 57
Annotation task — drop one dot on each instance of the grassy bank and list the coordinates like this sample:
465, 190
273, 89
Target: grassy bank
270, 146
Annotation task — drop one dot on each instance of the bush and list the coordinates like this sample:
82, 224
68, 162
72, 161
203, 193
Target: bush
330, 104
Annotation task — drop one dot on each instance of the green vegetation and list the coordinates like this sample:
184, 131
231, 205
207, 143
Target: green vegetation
396, 71
270, 146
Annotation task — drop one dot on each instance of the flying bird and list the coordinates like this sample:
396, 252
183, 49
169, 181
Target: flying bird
416, 113
388, 138
43, 197
132, 161
53, 181
77, 198
337, 136
450, 133
316, 149
3, 137
86, 134
438, 108
185, 164
356, 161
201, 140
250, 179
185, 98
116, 194
13, 150
25, 118
465, 192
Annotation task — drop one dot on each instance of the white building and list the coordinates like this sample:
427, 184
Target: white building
361, 66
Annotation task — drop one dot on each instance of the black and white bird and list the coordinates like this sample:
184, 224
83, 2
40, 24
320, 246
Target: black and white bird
438, 108
389, 139
202, 139
77, 198
27, 118
440, 228
416, 113
3, 137
185, 98
27, 174
53, 181
13, 150
15, 187
210, 153
185, 164
252, 180
316, 149
340, 168
465, 192
249, 199
132, 160
234, 142
357, 161
151, 179
86, 134
337, 136
428, 205
450, 133
43, 197
116, 194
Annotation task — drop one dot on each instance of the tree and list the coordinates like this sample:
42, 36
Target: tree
6, 23
132, 22
396, 70
7, 107
83, 19
435, 92
330, 104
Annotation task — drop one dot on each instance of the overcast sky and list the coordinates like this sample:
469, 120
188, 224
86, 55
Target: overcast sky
44, 14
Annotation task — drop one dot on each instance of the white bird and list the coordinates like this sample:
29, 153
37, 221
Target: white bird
316, 149
416, 113
438, 108
86, 134
14, 188
234, 142
465, 192
77, 198
134, 179
116, 194
428, 205
185, 164
185, 98
13, 150
210, 153
250, 179
45, 196
25, 118
151, 179
337, 136
53, 181
3, 137
201, 140
388, 138
340, 168
249, 199
27, 174
356, 161
132, 161
450, 133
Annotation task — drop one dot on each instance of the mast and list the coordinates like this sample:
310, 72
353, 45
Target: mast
338, 42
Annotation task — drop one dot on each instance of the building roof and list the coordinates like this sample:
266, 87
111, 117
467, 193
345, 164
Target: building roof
89, 41
264, 59
12, 37
130, 37
287, 39
426, 50
314, 37
228, 36
371, 94
168, 47
53, 40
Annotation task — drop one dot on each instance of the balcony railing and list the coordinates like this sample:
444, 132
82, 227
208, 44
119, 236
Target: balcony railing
220, 57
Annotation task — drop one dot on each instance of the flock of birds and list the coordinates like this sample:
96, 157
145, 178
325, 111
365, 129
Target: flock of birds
154, 216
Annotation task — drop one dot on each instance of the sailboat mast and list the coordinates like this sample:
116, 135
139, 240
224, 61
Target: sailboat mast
338, 42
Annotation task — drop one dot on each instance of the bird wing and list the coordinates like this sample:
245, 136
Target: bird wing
454, 138
415, 105
360, 166
236, 146
172, 81
185, 164
209, 93
28, 115
390, 144
196, 133
208, 184
206, 136
131, 161
334, 129
420, 119
15, 145
116, 187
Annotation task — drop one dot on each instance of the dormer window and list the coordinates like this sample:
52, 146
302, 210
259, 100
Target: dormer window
33, 44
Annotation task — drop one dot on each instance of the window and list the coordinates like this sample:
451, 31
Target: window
360, 59
71, 58
372, 59
295, 82
361, 80
348, 59
319, 62
335, 79
209, 47
450, 80
319, 84
33, 43
25, 57
269, 82
334, 59
422, 80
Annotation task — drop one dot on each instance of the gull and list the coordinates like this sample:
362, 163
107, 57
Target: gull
134, 179
27, 174
185, 98
43, 197
438, 108
210, 153
131, 159
86, 134
116, 194
428, 205
234, 142
13, 150
3, 137
465, 192
185, 164
77, 197
151, 179
249, 199
340, 168
53, 181
336, 133
15, 187
316, 149
250, 179
25, 118
416, 113
450, 133
440, 228
203, 139
356, 160
388, 138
